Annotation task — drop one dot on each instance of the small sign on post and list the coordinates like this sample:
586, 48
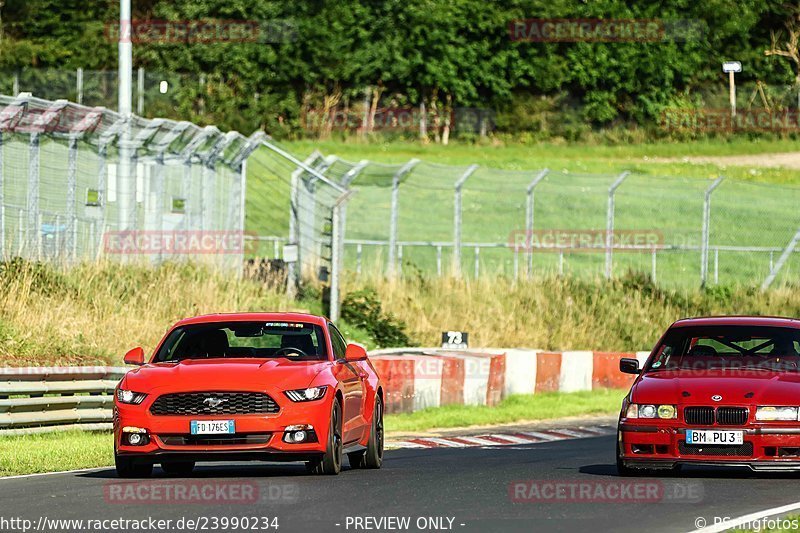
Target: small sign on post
732, 67
290, 254
455, 340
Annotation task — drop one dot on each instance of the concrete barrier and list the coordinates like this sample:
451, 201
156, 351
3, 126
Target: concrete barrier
433, 377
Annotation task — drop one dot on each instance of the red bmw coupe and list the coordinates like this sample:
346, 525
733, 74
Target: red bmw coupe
715, 391
249, 386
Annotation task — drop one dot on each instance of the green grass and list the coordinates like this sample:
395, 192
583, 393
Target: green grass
51, 452
754, 207
516, 408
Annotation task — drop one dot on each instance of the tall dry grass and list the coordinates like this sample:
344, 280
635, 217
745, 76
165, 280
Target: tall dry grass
93, 313
561, 313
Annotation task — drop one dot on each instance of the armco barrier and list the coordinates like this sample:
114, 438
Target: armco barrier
35, 399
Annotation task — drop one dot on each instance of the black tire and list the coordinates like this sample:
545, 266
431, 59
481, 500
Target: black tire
331, 463
127, 467
178, 468
372, 457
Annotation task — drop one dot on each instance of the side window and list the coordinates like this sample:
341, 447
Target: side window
339, 345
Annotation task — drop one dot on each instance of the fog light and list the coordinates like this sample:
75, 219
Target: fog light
299, 436
134, 439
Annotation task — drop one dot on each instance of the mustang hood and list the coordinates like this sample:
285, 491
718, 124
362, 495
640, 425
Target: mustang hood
737, 387
225, 374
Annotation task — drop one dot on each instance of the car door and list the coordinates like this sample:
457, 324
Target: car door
351, 376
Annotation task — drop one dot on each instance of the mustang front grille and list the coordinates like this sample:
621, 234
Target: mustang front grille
214, 403
742, 450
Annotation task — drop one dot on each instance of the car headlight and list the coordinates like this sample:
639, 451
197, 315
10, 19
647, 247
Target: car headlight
306, 395
776, 413
664, 411
131, 397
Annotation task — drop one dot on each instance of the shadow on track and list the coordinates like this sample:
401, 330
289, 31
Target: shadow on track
691, 472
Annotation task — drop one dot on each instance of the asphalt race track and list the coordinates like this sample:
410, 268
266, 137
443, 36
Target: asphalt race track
468, 485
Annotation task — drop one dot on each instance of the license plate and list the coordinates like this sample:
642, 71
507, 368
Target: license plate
709, 436
212, 427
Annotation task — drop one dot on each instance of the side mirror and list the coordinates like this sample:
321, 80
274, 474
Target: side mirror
629, 365
355, 352
135, 356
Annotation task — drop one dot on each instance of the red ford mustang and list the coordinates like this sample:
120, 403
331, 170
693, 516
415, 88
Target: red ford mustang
250, 386
715, 391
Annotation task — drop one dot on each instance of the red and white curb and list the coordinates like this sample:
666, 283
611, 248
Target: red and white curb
504, 439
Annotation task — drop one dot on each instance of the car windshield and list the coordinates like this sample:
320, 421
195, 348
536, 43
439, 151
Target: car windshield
728, 347
292, 340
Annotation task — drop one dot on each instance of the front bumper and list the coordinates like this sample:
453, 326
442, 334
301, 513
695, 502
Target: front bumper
165, 433
766, 447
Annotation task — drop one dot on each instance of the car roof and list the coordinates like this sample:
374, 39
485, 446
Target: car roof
737, 320
253, 317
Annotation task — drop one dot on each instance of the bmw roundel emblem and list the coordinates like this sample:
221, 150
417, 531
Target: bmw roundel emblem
716, 398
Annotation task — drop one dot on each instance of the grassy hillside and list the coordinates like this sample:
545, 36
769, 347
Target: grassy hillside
94, 313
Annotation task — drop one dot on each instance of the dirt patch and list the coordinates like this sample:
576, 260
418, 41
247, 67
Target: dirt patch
779, 160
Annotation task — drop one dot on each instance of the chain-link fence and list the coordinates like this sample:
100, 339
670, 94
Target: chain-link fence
431, 219
79, 183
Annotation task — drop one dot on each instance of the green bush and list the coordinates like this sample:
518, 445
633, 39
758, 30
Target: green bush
363, 310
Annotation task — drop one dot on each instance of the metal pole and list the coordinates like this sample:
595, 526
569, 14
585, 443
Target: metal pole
242, 186
359, 251
2, 206
457, 218
125, 57
439, 260
716, 266
71, 245
33, 192
477, 262
79, 84
610, 222
126, 203
102, 172
705, 230
787, 252
654, 271
337, 238
395, 214
529, 207
140, 91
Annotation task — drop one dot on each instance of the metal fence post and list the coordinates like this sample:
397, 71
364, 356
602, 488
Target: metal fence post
610, 222
296, 235
529, 212
337, 245
457, 218
787, 252
405, 169
79, 84
32, 202
346, 180
71, 234
2, 205
705, 230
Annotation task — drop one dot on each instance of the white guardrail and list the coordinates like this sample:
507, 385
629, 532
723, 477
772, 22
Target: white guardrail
41, 399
